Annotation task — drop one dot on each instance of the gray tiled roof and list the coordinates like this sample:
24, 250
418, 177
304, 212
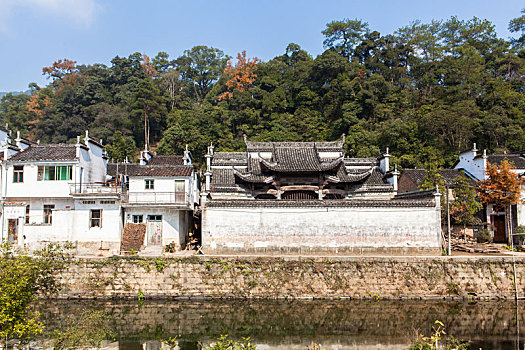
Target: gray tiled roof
299, 159
223, 176
46, 152
336, 146
166, 160
449, 175
134, 169
516, 159
229, 158
360, 162
355, 203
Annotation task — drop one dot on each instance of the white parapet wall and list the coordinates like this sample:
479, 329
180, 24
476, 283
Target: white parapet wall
351, 226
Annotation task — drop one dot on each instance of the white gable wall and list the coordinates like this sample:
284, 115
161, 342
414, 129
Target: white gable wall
474, 166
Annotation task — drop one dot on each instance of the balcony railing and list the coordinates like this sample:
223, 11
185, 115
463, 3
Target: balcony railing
177, 198
92, 188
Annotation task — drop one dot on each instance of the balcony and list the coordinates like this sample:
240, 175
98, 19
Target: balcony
156, 198
92, 189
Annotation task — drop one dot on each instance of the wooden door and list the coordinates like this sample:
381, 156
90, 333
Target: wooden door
499, 229
180, 191
12, 231
154, 229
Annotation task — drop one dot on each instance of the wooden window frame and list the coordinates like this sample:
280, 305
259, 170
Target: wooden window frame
48, 214
149, 184
18, 174
95, 221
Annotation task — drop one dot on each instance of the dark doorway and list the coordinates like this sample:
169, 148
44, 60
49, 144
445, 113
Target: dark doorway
499, 229
300, 195
12, 231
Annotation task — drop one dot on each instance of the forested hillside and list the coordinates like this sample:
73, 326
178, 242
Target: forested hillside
426, 91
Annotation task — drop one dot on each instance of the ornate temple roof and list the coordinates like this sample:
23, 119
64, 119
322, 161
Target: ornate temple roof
299, 160
327, 146
267, 162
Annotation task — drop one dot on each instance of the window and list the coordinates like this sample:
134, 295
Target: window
149, 184
88, 202
95, 218
18, 173
54, 172
137, 219
48, 213
107, 202
27, 214
154, 217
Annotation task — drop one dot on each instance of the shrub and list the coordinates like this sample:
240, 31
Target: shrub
484, 236
223, 343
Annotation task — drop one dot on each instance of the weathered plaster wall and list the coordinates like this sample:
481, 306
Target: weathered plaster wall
320, 228
174, 222
268, 277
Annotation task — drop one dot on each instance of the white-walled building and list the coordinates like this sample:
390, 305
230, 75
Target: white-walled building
61, 193
307, 197
57, 193
160, 192
475, 166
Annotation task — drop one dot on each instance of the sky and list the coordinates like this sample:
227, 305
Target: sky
35, 33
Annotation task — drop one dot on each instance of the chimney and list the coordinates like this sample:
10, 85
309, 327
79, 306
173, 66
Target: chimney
187, 156
208, 157
395, 177
384, 163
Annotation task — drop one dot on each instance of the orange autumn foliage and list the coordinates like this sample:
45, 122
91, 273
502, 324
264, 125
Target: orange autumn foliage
242, 75
503, 187
37, 106
60, 68
149, 70
33, 106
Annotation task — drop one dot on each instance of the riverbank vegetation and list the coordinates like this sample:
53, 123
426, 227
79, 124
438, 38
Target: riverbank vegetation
427, 91
22, 278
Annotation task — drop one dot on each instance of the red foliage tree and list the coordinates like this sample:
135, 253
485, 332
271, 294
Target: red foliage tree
146, 64
60, 69
242, 75
502, 188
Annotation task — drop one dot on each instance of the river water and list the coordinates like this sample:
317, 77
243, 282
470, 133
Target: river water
344, 324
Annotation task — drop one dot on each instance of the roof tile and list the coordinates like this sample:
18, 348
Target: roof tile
46, 152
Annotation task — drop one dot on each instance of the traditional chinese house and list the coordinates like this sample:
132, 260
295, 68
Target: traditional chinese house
308, 197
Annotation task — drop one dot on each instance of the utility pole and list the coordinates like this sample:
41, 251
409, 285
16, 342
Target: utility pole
448, 220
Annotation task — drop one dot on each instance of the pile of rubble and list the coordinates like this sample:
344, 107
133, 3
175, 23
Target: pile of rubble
467, 243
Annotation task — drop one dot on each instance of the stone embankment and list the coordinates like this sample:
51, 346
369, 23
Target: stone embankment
294, 277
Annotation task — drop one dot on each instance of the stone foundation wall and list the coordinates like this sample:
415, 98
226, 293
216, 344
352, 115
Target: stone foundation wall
293, 277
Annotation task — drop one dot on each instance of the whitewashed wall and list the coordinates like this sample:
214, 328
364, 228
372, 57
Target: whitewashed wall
321, 227
475, 166
31, 187
162, 184
93, 164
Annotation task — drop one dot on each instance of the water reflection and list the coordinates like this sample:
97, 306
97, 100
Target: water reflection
294, 325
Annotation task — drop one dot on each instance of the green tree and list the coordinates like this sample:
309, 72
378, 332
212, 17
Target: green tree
22, 277
466, 205
148, 112
122, 148
517, 25
344, 35
201, 67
